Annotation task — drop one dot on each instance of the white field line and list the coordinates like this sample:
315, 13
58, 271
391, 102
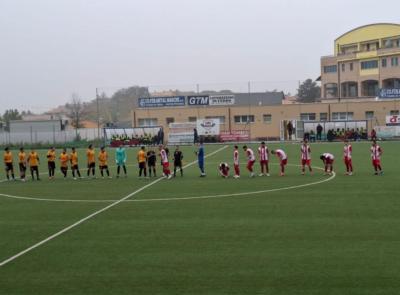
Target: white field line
53, 236
176, 198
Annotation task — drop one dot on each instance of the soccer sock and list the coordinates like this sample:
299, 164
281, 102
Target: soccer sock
73, 173
37, 174
145, 172
174, 171
309, 167
124, 169
78, 172
379, 167
101, 172
118, 169
32, 174
93, 171
8, 176
108, 172
181, 171
283, 169
154, 172
88, 172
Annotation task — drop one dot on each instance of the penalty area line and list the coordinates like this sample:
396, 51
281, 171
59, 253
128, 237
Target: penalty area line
68, 228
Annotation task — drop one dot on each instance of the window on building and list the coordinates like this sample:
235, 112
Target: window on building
394, 112
170, 120
384, 63
267, 118
148, 122
343, 67
323, 116
388, 43
244, 119
351, 66
307, 117
394, 61
330, 69
342, 116
221, 118
369, 115
192, 119
369, 64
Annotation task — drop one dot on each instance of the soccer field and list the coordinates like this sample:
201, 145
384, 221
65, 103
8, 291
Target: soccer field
310, 234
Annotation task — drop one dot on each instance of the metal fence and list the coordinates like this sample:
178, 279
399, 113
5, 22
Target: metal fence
50, 137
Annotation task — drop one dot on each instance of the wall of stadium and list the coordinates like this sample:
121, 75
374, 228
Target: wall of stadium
265, 121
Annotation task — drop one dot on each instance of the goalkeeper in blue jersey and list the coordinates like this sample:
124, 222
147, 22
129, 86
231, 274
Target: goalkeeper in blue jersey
120, 159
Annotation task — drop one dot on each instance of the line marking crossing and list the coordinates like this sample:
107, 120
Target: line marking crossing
176, 198
55, 235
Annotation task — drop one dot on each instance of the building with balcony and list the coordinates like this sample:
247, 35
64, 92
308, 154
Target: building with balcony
365, 60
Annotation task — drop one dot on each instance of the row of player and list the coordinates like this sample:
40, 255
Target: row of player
148, 160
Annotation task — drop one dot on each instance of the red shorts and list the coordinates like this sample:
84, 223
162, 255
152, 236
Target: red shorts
347, 161
328, 161
376, 162
283, 162
264, 162
165, 165
250, 164
305, 162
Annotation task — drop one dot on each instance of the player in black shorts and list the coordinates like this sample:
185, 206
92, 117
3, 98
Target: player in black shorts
178, 157
151, 162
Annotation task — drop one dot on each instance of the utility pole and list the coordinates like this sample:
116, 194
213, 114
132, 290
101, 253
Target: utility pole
98, 113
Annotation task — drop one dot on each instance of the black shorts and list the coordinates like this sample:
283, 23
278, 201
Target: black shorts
34, 168
64, 168
22, 167
9, 166
142, 165
151, 164
91, 165
178, 164
102, 167
51, 165
75, 167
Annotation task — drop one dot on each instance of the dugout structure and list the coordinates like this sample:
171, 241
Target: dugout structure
115, 137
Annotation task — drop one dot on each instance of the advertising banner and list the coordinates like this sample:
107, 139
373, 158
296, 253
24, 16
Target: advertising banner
393, 120
389, 93
235, 135
164, 101
208, 127
222, 100
198, 100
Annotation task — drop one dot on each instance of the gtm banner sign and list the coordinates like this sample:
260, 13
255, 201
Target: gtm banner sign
164, 101
389, 93
198, 100
222, 100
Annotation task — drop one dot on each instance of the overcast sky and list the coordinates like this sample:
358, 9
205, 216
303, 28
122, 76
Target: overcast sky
52, 48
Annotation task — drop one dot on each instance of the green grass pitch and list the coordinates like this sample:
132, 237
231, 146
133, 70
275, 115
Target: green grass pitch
337, 236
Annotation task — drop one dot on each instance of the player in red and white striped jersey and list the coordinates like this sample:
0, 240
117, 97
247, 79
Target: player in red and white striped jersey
328, 160
282, 159
376, 153
305, 150
347, 157
236, 162
224, 170
250, 159
165, 162
263, 153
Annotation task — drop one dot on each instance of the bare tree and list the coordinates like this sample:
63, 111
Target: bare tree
76, 110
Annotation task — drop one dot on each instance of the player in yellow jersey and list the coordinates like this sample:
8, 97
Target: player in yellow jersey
73, 158
103, 162
33, 160
51, 162
8, 163
142, 158
22, 163
91, 162
64, 158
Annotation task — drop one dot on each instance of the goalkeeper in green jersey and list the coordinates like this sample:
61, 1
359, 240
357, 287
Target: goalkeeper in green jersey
120, 159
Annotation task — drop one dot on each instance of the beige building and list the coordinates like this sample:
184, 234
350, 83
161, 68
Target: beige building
365, 60
265, 122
